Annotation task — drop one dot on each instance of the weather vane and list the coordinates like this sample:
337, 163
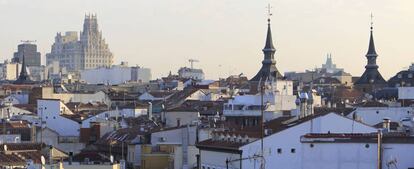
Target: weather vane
269, 13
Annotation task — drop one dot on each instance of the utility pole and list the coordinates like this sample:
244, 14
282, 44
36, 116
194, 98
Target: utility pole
261, 85
41, 125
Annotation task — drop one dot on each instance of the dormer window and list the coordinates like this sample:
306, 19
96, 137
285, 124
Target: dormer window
410, 75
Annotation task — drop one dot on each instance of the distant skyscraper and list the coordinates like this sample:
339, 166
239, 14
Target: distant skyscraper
89, 52
32, 57
371, 78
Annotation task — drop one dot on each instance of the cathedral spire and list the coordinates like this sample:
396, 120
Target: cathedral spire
24, 76
269, 42
372, 53
371, 48
23, 71
268, 70
371, 78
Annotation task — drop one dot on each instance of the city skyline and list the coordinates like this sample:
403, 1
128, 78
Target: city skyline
216, 33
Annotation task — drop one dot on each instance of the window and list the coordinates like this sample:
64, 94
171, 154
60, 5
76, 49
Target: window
279, 151
293, 150
366, 145
377, 112
311, 145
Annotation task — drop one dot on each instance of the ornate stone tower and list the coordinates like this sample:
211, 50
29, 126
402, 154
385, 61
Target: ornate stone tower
94, 48
371, 79
76, 53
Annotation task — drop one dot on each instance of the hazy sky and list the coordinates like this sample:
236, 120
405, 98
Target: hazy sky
225, 35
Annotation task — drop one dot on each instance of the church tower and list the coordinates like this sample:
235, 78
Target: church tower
24, 77
371, 79
268, 72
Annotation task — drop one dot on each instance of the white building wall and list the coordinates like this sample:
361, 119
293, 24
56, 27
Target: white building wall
143, 75
10, 71
289, 139
406, 93
354, 155
375, 115
215, 159
51, 111
113, 114
191, 156
184, 117
89, 98
173, 136
285, 87
115, 75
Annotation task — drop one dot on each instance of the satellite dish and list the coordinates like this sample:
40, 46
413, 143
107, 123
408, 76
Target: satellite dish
5, 147
43, 160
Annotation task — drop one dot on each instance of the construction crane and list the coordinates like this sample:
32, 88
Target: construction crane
192, 62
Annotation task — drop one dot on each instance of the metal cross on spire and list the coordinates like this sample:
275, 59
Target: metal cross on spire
372, 20
269, 12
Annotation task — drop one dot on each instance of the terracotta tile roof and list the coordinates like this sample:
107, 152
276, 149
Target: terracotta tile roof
203, 107
276, 125
93, 156
18, 153
220, 145
371, 104
162, 93
28, 107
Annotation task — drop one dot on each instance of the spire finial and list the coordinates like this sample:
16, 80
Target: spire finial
269, 13
372, 21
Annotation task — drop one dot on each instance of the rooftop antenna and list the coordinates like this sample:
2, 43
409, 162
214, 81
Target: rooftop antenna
192, 62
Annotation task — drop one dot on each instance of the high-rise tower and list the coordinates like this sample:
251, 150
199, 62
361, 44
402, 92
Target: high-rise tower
89, 51
32, 56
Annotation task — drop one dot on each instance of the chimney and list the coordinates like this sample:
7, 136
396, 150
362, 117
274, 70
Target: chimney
150, 111
386, 124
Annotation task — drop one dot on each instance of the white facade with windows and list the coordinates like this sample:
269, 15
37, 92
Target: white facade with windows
375, 115
325, 154
283, 148
51, 111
